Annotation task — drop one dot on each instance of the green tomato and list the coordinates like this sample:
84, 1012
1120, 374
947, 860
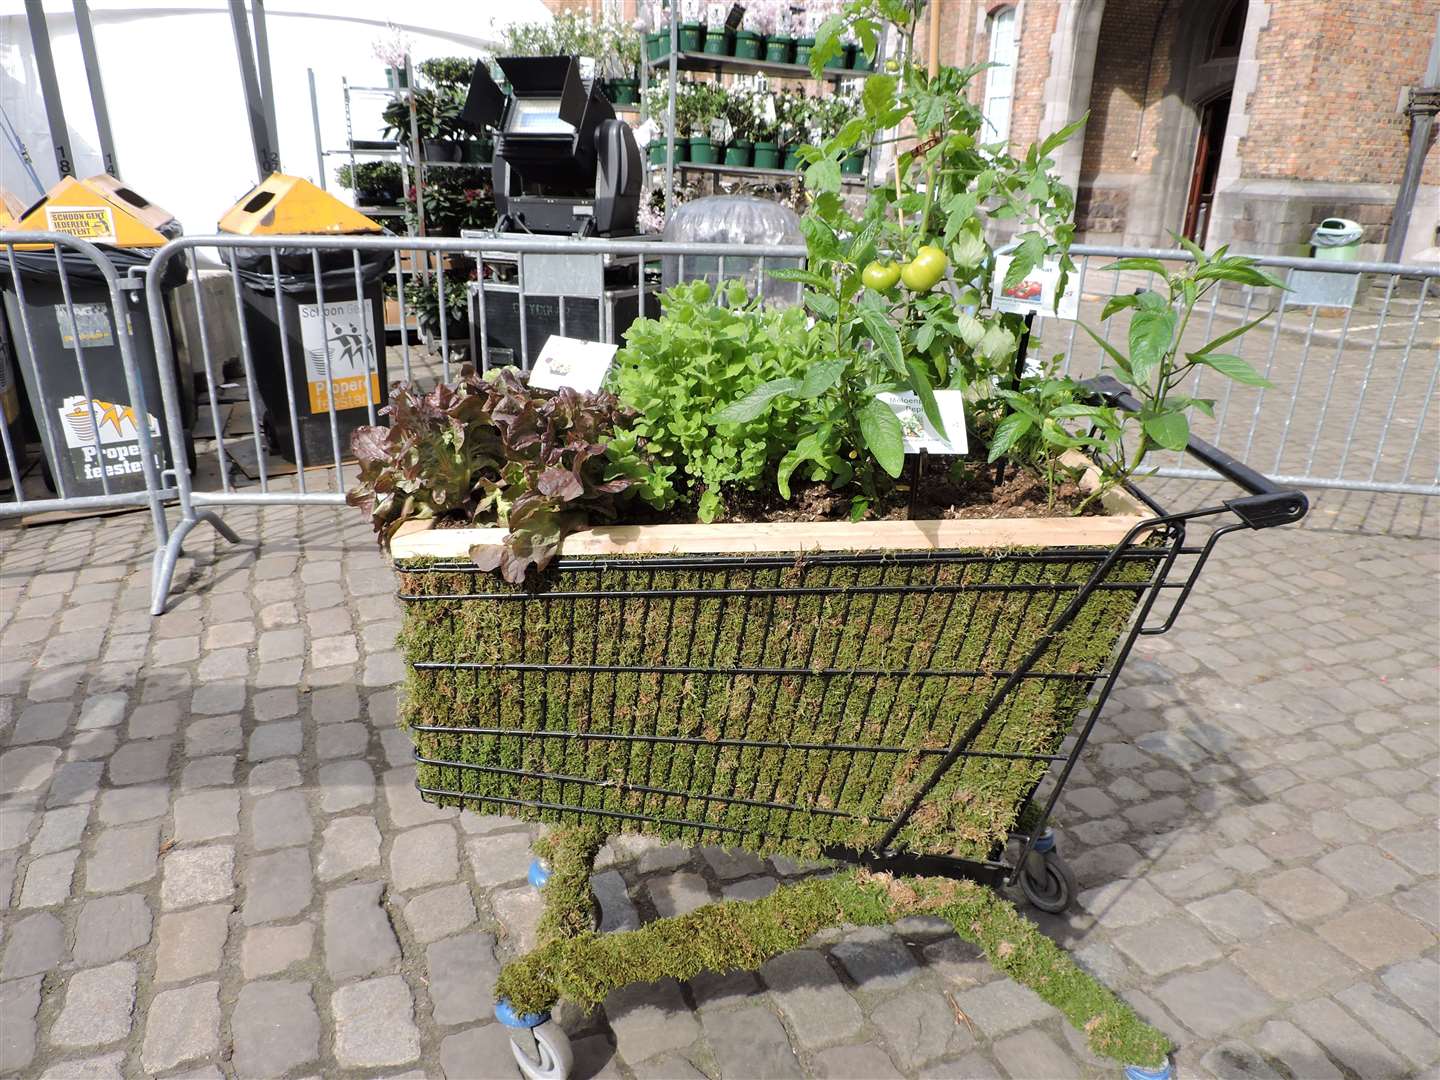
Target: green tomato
881, 276
921, 273
892, 66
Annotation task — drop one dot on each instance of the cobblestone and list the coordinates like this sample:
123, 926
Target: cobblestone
358, 936
191, 942
275, 1028
108, 927
374, 1024
1283, 849
182, 1025
98, 1006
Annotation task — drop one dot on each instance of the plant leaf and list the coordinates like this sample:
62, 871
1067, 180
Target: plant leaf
1115, 354
1230, 366
820, 377
1170, 430
1007, 433
1153, 265
882, 332
880, 428
1231, 335
756, 401
1150, 334
920, 383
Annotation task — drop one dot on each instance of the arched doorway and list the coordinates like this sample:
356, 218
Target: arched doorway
1213, 115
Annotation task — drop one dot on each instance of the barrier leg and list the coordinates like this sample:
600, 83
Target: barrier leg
168, 556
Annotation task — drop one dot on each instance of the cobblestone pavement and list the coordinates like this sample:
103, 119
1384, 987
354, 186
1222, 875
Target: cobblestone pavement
213, 861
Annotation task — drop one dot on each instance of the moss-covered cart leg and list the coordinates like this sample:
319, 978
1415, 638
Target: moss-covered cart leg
576, 963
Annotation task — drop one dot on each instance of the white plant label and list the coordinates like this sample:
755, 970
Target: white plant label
1035, 293
915, 427
573, 362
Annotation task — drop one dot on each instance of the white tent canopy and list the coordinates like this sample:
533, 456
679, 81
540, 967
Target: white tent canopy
176, 103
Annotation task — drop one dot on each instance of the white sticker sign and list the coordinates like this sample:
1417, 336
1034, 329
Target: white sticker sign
573, 362
1035, 292
351, 353
915, 427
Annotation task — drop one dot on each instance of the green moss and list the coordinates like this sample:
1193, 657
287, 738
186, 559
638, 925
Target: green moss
740, 936
880, 653
569, 903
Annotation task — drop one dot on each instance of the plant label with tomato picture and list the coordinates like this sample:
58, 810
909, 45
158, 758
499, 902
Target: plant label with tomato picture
573, 362
916, 430
1035, 292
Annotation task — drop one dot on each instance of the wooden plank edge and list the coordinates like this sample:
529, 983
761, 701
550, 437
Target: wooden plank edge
981, 534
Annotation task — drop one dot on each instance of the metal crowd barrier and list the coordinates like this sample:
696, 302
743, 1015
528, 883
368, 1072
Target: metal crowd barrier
1352, 388
1351, 397
56, 364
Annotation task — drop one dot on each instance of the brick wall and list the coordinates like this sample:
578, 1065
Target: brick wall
1330, 76
1129, 81
1037, 26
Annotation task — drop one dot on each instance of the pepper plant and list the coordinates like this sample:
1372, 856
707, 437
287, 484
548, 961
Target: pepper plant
1156, 362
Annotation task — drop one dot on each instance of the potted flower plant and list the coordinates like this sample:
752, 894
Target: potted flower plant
703, 102
392, 49
766, 129
375, 183
738, 111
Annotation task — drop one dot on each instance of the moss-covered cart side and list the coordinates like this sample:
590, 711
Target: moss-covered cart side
888, 694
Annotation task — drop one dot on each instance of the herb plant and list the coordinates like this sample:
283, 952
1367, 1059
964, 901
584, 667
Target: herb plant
680, 373
490, 450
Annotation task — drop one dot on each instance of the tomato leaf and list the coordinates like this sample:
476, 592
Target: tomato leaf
880, 428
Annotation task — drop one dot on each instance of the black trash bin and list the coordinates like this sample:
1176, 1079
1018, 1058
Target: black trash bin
87, 436
283, 315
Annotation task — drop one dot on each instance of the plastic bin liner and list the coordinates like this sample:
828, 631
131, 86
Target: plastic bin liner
80, 270
741, 220
297, 270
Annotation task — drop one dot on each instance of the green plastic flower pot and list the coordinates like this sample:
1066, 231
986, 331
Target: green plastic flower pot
803, 46
703, 151
740, 153
860, 61
692, 36
780, 49
657, 44
792, 159
854, 164
767, 155
657, 153
477, 151
682, 149
627, 91
840, 61
720, 42
747, 45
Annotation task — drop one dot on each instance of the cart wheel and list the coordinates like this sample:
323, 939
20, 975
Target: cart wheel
552, 1058
1048, 882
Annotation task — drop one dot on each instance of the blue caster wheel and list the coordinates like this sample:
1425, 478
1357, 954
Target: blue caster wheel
551, 1058
1048, 882
1139, 1072
539, 874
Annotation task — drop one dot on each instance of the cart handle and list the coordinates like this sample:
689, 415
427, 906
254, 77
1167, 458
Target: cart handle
1268, 503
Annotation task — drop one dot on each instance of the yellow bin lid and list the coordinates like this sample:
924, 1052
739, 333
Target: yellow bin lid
11, 208
100, 209
292, 206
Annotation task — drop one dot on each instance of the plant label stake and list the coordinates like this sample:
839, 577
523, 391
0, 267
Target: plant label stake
573, 362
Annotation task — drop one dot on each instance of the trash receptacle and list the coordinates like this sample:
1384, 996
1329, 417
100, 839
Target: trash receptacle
90, 440
1337, 240
336, 355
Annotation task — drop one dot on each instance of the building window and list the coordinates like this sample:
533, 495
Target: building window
1000, 76
1229, 30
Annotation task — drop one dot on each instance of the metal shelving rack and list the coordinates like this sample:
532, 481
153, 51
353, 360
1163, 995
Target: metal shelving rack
677, 61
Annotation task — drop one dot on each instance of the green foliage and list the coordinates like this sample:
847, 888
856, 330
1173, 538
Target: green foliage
451, 71
700, 377
869, 626
455, 199
613, 43
380, 179
422, 299
492, 451
742, 935
1154, 363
